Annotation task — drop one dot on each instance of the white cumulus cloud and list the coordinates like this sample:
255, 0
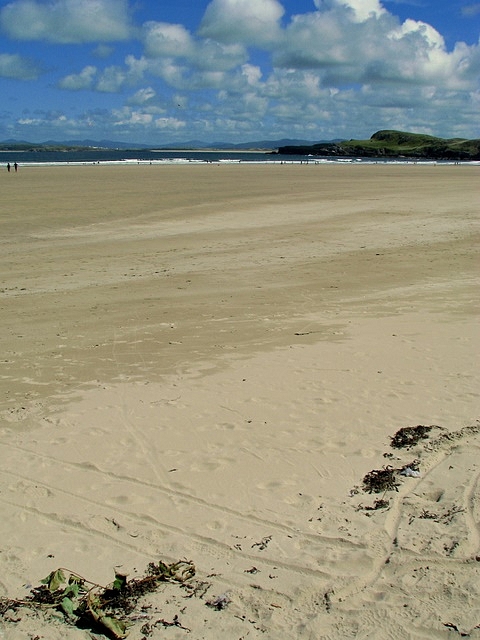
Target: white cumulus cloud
173, 124
250, 22
13, 65
143, 96
357, 41
164, 39
360, 10
79, 81
173, 42
66, 21
114, 78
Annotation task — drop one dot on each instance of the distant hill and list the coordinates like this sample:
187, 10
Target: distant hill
189, 144
55, 145
393, 144
194, 144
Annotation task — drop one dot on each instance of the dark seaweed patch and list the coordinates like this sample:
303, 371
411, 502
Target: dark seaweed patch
409, 436
380, 480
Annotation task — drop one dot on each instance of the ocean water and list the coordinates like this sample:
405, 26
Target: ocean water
115, 156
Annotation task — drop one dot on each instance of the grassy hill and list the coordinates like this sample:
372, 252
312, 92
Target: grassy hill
394, 144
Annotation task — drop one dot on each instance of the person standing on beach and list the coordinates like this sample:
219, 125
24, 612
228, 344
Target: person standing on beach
16, 167
8, 167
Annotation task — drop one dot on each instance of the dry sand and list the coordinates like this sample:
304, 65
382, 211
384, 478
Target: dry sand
203, 362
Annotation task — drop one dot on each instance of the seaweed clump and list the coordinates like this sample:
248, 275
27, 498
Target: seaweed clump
408, 437
380, 480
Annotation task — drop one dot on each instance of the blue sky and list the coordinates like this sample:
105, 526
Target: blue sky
159, 71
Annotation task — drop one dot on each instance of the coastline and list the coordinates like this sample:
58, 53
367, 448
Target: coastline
203, 363
120, 157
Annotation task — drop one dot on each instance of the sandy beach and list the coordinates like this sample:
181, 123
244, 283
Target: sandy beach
204, 362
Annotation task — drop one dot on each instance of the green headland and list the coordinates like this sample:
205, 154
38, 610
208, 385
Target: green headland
393, 144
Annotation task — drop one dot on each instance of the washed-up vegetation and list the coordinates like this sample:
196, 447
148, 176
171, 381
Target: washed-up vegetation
407, 437
105, 609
